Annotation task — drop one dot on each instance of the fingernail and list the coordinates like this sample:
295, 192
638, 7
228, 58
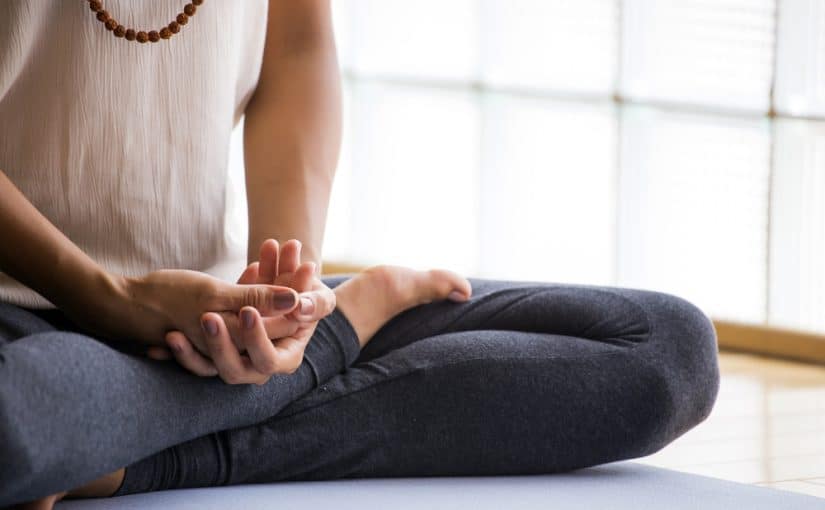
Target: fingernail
284, 301
210, 326
307, 306
456, 296
248, 318
176, 347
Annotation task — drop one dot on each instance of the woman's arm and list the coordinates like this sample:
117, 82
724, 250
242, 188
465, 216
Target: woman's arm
292, 129
36, 253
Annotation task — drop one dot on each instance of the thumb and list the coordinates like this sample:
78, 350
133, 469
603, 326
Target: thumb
267, 299
315, 305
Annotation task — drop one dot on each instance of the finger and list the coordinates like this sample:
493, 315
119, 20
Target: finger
264, 356
322, 304
302, 281
290, 257
159, 353
459, 287
268, 258
275, 327
249, 275
232, 367
185, 354
291, 348
303, 277
268, 299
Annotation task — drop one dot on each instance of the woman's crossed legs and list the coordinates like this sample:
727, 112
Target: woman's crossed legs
523, 378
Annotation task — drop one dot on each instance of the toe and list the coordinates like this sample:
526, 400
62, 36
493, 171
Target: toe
457, 296
450, 285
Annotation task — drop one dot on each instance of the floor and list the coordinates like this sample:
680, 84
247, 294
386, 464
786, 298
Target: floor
767, 428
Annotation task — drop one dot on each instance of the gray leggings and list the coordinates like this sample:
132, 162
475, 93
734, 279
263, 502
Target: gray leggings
524, 378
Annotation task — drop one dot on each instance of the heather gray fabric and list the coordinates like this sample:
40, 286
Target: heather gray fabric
619, 486
524, 378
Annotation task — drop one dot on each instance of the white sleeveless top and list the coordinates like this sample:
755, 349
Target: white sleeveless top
124, 146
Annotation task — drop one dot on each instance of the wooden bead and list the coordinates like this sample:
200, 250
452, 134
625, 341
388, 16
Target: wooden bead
141, 36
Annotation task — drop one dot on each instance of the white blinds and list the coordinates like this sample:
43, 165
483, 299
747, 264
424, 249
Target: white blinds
550, 45
797, 276
413, 182
800, 77
421, 40
548, 190
705, 52
694, 208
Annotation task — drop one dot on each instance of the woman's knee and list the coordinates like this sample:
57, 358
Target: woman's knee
681, 358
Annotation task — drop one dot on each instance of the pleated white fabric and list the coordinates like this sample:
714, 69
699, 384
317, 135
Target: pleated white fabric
125, 146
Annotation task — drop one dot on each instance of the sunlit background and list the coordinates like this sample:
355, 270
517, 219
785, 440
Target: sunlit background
676, 145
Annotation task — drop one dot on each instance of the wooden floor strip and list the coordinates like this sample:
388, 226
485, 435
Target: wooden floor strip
771, 341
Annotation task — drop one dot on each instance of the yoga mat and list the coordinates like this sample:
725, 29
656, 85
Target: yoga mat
620, 486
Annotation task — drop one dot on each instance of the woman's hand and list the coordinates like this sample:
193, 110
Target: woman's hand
251, 347
145, 309
282, 267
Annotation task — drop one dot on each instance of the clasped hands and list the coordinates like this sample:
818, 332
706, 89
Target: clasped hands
268, 332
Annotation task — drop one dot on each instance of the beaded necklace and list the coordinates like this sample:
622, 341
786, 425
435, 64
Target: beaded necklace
141, 36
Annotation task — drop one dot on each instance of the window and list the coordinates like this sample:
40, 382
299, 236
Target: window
676, 145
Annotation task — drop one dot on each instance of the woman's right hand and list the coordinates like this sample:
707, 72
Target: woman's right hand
145, 309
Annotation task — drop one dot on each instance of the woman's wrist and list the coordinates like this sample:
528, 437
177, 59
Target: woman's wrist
95, 298
110, 292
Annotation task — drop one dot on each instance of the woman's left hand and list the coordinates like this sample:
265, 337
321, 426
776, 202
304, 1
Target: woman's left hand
259, 356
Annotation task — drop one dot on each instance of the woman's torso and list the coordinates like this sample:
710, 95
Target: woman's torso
124, 146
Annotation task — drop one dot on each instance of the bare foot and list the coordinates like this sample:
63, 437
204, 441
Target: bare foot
46, 503
371, 298
102, 487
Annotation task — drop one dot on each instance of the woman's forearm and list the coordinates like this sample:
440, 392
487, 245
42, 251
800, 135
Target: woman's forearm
297, 210
292, 129
37, 254
143, 309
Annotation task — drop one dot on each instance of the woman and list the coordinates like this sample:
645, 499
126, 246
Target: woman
113, 148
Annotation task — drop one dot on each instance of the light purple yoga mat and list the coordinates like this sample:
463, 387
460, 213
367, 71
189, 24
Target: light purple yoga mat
618, 486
